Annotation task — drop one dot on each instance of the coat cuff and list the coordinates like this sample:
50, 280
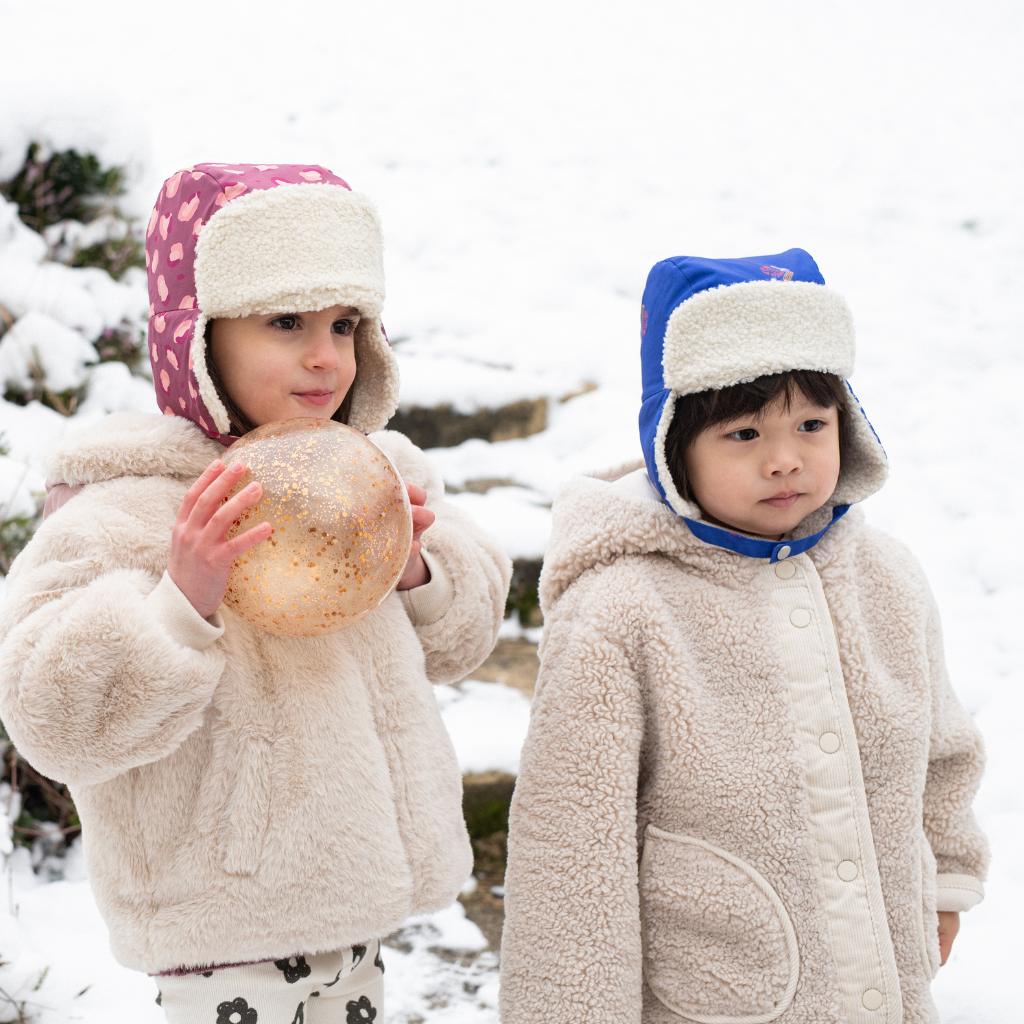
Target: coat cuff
172, 608
428, 603
958, 893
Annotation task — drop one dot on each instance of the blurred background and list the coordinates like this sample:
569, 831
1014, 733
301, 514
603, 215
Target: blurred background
530, 162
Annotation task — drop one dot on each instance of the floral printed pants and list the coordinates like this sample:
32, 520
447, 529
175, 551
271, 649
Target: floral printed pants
346, 987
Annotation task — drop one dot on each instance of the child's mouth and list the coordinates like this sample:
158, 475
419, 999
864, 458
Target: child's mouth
314, 397
782, 500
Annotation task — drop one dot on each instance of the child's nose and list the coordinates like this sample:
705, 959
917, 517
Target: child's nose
782, 461
322, 353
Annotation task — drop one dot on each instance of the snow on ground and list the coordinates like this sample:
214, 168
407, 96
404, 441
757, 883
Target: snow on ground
63, 972
487, 723
516, 516
531, 161
431, 378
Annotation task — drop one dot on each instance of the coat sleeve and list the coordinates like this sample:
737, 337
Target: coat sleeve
571, 948
102, 668
458, 613
955, 763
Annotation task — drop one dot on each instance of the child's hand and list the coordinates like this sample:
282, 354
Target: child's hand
949, 925
416, 572
201, 555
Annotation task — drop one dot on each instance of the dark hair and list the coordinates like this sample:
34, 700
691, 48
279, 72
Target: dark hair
240, 423
695, 413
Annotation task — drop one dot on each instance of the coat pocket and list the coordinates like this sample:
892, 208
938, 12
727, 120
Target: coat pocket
719, 946
929, 915
246, 813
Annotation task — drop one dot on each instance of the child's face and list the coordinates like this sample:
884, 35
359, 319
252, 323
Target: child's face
763, 476
280, 366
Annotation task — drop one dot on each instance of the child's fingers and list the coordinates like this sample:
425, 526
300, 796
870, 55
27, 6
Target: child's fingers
240, 544
422, 519
212, 471
949, 925
417, 495
220, 522
213, 497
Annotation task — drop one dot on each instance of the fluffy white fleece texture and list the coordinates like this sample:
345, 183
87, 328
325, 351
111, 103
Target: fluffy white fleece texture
242, 796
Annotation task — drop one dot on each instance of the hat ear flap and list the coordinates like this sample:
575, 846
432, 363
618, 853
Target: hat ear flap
208, 395
375, 388
865, 464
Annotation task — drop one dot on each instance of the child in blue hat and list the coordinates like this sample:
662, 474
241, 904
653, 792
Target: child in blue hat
746, 792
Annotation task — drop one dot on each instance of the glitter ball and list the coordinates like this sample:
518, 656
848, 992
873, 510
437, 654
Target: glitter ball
339, 511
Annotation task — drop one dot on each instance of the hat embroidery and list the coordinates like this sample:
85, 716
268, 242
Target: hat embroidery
781, 273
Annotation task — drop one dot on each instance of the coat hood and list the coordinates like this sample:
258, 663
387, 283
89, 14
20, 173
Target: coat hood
712, 323
131, 444
232, 240
601, 518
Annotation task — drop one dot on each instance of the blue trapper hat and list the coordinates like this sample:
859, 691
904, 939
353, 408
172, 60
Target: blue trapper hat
712, 323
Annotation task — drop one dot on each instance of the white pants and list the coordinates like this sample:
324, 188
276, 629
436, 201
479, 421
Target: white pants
346, 987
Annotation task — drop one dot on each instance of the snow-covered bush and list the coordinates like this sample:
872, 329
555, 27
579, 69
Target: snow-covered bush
35, 812
42, 360
72, 317
67, 254
18, 507
66, 186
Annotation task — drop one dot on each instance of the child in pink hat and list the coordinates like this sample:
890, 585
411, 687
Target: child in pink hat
257, 811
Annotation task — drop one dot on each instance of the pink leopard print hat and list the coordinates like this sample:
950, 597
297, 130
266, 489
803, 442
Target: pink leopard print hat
227, 240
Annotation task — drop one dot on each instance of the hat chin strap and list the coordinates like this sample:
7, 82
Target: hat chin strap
207, 392
753, 547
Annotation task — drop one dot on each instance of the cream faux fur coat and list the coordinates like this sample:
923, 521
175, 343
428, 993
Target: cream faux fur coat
747, 784
242, 796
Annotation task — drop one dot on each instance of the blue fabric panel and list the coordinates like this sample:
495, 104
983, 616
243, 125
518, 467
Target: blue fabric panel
753, 547
650, 417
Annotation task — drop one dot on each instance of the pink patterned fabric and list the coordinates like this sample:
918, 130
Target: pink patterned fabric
57, 494
187, 201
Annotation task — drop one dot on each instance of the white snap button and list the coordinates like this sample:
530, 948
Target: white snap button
785, 570
872, 999
800, 617
847, 870
829, 742
784, 552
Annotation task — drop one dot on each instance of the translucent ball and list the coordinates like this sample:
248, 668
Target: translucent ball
342, 527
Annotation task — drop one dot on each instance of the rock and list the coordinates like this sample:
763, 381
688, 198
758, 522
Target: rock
486, 798
481, 485
513, 662
522, 595
487, 795
443, 426
484, 907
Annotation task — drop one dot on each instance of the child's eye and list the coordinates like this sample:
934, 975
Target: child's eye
285, 323
746, 434
811, 426
344, 326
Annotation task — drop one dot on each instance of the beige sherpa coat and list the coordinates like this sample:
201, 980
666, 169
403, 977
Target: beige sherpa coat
242, 796
747, 785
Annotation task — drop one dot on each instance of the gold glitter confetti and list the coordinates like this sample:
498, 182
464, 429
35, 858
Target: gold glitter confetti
325, 480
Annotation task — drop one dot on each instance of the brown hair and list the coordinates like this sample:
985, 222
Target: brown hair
240, 423
695, 413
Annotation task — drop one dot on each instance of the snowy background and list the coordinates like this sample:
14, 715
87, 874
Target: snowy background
531, 161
